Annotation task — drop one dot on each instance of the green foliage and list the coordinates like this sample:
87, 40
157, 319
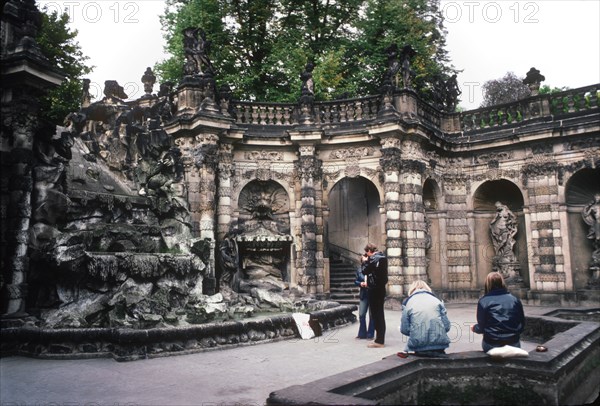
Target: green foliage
508, 89
57, 42
260, 47
545, 89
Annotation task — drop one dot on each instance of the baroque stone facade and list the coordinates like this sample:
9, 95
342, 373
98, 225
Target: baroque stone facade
233, 195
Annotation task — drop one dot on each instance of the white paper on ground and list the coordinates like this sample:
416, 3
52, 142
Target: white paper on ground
302, 319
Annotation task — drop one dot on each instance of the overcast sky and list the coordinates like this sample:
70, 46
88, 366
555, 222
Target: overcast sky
485, 40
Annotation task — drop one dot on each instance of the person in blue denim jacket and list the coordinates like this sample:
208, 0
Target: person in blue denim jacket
363, 308
425, 321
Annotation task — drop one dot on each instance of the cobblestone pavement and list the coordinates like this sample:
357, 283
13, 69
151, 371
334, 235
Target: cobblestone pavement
239, 376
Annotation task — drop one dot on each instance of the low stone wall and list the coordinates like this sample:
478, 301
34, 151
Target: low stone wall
129, 344
568, 373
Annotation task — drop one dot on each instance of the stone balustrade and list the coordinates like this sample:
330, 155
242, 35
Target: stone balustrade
286, 114
575, 100
348, 110
365, 109
275, 114
531, 109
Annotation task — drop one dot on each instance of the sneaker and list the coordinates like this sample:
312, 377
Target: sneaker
375, 345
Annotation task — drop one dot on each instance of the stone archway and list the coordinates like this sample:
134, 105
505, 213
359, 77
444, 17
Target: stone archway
485, 208
354, 218
579, 193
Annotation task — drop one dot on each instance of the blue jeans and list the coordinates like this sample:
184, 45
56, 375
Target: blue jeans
363, 308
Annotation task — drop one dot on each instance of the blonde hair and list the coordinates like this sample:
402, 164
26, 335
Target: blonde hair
494, 280
418, 284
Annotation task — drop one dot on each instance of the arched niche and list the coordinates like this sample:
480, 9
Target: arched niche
354, 218
435, 238
263, 235
484, 210
579, 192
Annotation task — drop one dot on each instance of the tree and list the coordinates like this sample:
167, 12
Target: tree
508, 89
262, 46
57, 42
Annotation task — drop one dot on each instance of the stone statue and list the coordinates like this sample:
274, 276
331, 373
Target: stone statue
308, 87
393, 65
405, 56
148, 79
504, 228
452, 92
591, 216
229, 261
196, 48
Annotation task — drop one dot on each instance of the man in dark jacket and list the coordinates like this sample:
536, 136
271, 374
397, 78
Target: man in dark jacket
500, 316
375, 268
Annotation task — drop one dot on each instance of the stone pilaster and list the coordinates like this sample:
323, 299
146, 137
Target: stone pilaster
309, 260
458, 228
412, 221
390, 165
224, 192
547, 262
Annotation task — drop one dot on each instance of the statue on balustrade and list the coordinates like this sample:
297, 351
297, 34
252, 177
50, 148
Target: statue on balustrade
591, 216
393, 65
406, 55
196, 49
452, 93
503, 229
308, 86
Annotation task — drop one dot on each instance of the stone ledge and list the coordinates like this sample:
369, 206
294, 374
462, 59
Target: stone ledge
566, 374
129, 345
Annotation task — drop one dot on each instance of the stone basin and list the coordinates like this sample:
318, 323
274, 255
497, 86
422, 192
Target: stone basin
126, 344
568, 373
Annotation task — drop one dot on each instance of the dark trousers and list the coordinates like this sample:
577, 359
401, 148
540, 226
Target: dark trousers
376, 300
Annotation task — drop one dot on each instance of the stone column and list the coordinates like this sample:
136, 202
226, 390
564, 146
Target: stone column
309, 259
413, 226
458, 228
547, 273
224, 209
390, 165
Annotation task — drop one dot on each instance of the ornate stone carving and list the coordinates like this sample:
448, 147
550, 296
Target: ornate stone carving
352, 168
493, 156
309, 167
264, 155
352, 152
306, 150
390, 159
591, 216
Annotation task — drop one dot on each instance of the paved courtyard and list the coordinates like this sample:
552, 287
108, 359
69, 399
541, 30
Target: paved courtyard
240, 376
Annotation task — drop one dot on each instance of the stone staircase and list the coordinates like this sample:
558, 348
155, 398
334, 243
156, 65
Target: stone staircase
341, 281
